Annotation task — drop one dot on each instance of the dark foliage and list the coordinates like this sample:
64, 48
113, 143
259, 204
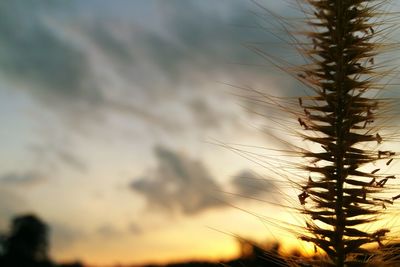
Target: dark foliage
27, 244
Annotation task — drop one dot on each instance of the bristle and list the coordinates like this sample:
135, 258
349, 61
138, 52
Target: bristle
340, 118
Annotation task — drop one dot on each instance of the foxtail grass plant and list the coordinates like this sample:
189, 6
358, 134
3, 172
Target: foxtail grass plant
340, 117
343, 122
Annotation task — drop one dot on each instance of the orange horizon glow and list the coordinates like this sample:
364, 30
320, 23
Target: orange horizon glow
211, 246
221, 254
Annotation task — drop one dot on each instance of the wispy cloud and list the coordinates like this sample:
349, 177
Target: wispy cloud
39, 59
52, 154
98, 65
29, 178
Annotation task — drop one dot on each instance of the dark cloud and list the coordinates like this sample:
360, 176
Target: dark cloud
117, 48
198, 42
178, 184
249, 184
181, 184
35, 55
173, 61
204, 113
88, 63
29, 178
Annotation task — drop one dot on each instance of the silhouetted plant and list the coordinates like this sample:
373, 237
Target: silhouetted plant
347, 189
340, 118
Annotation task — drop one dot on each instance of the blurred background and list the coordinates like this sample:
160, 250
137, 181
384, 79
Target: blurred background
112, 115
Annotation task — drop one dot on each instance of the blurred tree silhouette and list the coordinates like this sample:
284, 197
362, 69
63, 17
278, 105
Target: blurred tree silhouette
27, 243
255, 254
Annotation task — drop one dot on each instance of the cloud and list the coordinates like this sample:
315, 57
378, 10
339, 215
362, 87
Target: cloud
30, 178
116, 64
204, 113
51, 152
153, 72
50, 66
249, 184
178, 184
154, 68
70, 159
184, 185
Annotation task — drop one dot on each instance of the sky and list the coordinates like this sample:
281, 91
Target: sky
114, 115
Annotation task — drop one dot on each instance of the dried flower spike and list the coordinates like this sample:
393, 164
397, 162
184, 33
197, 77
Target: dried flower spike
340, 117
